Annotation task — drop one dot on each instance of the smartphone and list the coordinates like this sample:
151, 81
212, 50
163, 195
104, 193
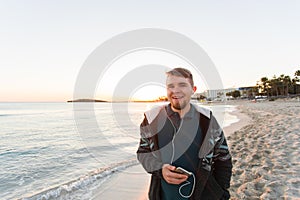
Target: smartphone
180, 170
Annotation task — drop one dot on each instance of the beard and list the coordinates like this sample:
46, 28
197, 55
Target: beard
178, 105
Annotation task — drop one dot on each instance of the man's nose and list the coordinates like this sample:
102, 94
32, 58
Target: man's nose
175, 89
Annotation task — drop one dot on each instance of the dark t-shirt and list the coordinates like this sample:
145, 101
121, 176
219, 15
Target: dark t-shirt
187, 159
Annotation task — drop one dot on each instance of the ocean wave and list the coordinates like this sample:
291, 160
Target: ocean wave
5, 115
20, 114
65, 191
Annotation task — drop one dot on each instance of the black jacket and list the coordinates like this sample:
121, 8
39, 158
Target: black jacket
215, 166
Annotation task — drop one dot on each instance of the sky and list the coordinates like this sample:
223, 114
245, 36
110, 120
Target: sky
43, 44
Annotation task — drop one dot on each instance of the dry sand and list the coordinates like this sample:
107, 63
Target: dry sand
266, 152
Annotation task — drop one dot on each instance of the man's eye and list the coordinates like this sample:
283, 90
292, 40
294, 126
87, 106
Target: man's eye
182, 85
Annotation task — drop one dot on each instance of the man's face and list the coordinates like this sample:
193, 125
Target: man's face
179, 91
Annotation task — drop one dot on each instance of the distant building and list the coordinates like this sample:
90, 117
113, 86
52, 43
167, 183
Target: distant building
198, 96
219, 94
248, 92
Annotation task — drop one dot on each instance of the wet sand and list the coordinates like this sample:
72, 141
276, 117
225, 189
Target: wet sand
130, 184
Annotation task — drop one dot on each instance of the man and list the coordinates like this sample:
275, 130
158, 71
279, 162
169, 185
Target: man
184, 135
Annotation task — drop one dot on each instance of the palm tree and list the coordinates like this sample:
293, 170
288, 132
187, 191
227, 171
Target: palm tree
279, 85
287, 83
294, 83
274, 84
263, 85
296, 80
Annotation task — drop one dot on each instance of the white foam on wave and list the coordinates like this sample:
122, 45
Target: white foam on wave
223, 114
82, 184
230, 119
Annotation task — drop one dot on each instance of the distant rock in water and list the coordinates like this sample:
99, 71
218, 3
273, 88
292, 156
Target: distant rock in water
86, 100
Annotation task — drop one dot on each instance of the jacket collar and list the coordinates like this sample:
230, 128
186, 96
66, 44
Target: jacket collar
188, 115
151, 114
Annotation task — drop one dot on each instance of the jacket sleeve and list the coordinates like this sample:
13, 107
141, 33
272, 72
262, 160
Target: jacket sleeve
222, 162
148, 153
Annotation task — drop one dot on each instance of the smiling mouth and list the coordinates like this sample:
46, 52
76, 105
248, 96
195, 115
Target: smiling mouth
177, 97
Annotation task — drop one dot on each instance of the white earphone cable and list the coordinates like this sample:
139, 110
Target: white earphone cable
188, 183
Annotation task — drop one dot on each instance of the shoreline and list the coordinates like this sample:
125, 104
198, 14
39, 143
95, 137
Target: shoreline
244, 120
131, 183
264, 144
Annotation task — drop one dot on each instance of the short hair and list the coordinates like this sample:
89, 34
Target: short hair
182, 72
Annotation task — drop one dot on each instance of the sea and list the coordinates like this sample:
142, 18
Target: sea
67, 150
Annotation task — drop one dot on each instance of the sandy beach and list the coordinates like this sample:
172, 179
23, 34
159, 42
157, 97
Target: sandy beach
265, 149
266, 152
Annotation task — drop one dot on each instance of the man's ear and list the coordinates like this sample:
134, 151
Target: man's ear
194, 89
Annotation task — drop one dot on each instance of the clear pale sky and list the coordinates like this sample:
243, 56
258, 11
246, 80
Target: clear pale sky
43, 44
